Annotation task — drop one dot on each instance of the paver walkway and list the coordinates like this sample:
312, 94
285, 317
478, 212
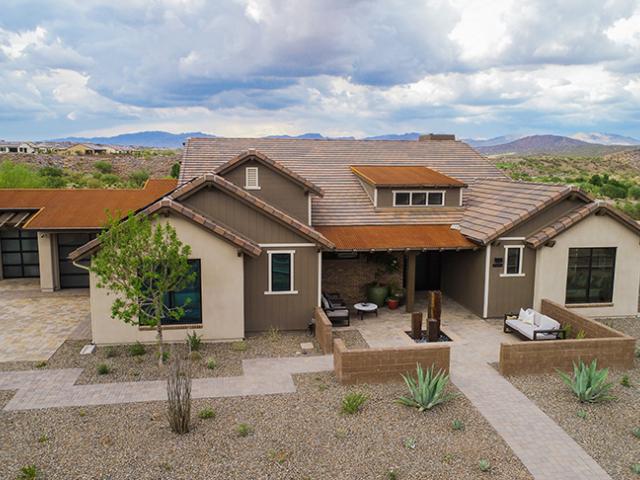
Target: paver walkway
55, 388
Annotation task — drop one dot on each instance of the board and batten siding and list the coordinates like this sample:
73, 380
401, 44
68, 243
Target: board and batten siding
274, 188
463, 278
283, 311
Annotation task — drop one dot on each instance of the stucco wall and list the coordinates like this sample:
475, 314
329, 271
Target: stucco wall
594, 231
222, 294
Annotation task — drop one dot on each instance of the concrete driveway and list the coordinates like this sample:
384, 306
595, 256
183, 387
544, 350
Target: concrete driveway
33, 324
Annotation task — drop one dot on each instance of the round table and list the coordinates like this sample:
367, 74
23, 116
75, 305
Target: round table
366, 307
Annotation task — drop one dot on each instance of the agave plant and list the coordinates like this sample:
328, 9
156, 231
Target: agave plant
427, 391
588, 383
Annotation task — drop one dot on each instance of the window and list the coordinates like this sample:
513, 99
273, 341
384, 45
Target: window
281, 272
513, 263
19, 253
251, 178
590, 275
418, 199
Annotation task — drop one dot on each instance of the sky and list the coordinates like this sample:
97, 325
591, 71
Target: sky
339, 67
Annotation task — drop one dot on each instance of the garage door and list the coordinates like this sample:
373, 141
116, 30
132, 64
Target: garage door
19, 253
70, 275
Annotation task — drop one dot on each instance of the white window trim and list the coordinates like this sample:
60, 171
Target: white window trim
269, 285
309, 207
246, 179
412, 192
506, 258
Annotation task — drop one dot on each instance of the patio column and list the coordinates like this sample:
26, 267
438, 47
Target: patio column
411, 280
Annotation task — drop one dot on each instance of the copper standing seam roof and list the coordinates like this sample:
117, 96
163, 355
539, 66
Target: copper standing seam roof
404, 176
262, 158
254, 202
565, 222
395, 237
80, 208
166, 204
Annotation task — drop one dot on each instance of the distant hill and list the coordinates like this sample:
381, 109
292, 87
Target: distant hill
310, 136
155, 139
550, 144
490, 142
605, 138
396, 136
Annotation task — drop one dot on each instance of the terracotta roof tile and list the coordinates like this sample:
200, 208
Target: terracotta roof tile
404, 176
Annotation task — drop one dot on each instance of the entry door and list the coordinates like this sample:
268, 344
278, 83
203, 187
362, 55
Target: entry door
70, 275
19, 253
428, 271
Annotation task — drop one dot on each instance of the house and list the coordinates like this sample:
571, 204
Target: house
92, 149
17, 147
274, 222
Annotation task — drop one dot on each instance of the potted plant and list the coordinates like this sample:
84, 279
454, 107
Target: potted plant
377, 292
393, 302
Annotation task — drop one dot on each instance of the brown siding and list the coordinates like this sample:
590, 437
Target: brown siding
544, 218
324, 331
275, 189
286, 312
451, 196
370, 189
463, 278
241, 217
509, 294
378, 365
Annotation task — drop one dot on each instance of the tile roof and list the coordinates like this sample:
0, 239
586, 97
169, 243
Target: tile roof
253, 201
252, 153
327, 163
576, 215
80, 208
395, 237
166, 204
404, 176
495, 206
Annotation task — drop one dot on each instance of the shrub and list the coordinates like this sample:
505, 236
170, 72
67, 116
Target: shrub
175, 170
179, 396
634, 192
41, 364
103, 166
428, 391
243, 430
137, 349
457, 425
625, 382
635, 468
194, 341
165, 356
206, 413
240, 346
613, 191
279, 456
581, 414
103, 369
409, 443
636, 432
273, 334
211, 363
352, 402
28, 472
588, 383
581, 334
110, 352
138, 178
484, 465
110, 179
392, 474
43, 438
195, 356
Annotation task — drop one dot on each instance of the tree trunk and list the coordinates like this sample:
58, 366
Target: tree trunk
158, 306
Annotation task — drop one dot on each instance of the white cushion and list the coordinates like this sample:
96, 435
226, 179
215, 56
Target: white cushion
337, 313
527, 329
325, 303
548, 323
525, 317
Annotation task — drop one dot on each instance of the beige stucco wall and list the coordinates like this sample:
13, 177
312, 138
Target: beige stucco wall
48, 260
594, 231
222, 294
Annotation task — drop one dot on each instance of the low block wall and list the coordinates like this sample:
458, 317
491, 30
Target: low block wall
611, 348
324, 332
380, 365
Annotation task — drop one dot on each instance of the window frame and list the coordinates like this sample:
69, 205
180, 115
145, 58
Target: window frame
586, 300
247, 186
411, 193
292, 290
520, 272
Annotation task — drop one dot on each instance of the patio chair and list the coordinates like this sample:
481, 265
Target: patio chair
532, 325
334, 299
336, 311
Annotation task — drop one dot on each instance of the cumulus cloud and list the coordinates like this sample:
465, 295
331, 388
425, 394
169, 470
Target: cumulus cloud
344, 68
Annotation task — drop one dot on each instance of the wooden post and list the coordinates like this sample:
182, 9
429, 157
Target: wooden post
416, 325
411, 280
433, 332
434, 306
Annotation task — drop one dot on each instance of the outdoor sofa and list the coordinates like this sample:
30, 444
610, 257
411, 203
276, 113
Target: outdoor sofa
335, 309
533, 325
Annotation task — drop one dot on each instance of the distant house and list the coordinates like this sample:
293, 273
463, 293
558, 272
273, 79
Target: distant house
95, 149
17, 147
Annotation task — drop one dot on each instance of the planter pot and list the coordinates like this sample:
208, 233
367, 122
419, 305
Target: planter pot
377, 294
392, 303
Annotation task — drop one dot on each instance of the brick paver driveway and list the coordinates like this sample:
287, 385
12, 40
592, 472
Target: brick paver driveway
33, 324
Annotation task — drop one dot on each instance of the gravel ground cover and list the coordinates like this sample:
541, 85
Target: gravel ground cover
123, 367
294, 436
352, 338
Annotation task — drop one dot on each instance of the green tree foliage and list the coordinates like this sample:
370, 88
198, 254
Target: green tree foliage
140, 261
175, 170
103, 166
19, 175
138, 178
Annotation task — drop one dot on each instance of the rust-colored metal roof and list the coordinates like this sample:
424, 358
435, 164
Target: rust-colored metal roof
61, 209
395, 237
404, 176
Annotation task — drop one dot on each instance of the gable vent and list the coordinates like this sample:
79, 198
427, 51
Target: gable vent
251, 178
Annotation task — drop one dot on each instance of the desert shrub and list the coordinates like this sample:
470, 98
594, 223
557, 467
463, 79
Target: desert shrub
484, 465
211, 363
635, 468
240, 346
93, 183
392, 474
195, 356
596, 180
625, 382
175, 170
41, 364
207, 413
194, 341
457, 425
636, 432
103, 369
428, 391
588, 383
44, 438
409, 443
244, 430
273, 334
137, 349
279, 456
138, 178
179, 396
165, 356
110, 179
581, 334
613, 191
581, 414
19, 175
110, 352
352, 402
634, 192
28, 472
103, 166
54, 182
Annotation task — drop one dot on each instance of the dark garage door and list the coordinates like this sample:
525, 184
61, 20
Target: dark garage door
19, 253
70, 275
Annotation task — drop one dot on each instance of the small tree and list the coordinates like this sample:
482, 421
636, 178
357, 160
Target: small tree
141, 262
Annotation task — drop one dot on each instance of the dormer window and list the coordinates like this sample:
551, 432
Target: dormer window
418, 198
251, 178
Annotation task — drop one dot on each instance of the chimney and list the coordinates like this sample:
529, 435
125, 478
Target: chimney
436, 137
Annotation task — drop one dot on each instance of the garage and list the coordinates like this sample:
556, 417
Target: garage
19, 253
70, 275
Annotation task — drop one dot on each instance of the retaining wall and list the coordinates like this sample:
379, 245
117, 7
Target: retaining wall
324, 331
